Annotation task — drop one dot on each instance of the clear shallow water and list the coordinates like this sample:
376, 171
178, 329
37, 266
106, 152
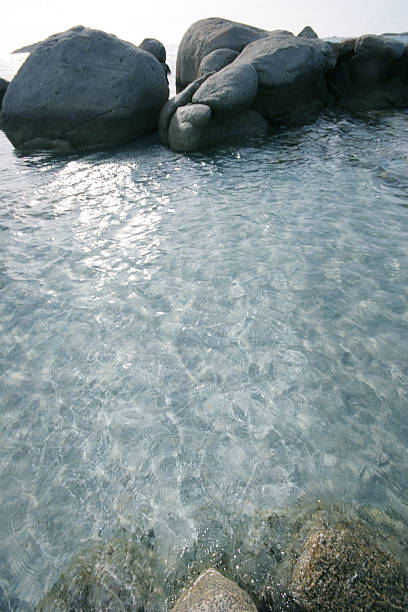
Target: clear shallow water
225, 328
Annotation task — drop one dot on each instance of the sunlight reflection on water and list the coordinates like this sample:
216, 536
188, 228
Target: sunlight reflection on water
225, 328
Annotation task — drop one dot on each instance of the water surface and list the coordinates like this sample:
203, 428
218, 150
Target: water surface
224, 328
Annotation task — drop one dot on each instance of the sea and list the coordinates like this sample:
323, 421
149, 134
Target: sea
226, 328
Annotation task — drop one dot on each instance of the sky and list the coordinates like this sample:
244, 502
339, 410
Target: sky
26, 21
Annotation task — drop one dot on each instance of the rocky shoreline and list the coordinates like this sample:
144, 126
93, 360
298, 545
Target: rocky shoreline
312, 556
84, 89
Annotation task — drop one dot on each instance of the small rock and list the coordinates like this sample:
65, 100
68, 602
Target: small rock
212, 592
155, 47
307, 32
168, 110
216, 60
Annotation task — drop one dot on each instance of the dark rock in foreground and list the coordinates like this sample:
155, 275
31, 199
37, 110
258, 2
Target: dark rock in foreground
312, 556
212, 592
341, 568
83, 89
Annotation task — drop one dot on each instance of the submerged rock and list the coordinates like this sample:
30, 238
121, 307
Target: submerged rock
371, 73
341, 568
117, 575
311, 556
212, 592
83, 89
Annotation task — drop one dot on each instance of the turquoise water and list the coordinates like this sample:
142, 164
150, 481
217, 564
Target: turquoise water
225, 328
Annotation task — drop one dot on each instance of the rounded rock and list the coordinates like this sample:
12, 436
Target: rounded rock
232, 89
205, 36
155, 47
212, 592
216, 60
87, 88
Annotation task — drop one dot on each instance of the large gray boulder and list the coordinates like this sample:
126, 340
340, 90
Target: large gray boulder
3, 88
83, 89
212, 592
371, 73
291, 71
186, 123
208, 35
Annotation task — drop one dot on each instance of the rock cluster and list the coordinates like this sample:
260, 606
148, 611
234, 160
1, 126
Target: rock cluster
371, 73
313, 556
84, 88
253, 78
279, 78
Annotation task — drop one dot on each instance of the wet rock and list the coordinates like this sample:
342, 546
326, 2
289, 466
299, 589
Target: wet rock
371, 73
193, 127
341, 568
84, 87
187, 127
168, 110
215, 61
212, 592
208, 35
118, 575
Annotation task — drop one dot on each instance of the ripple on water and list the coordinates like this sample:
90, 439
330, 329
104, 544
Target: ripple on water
224, 328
